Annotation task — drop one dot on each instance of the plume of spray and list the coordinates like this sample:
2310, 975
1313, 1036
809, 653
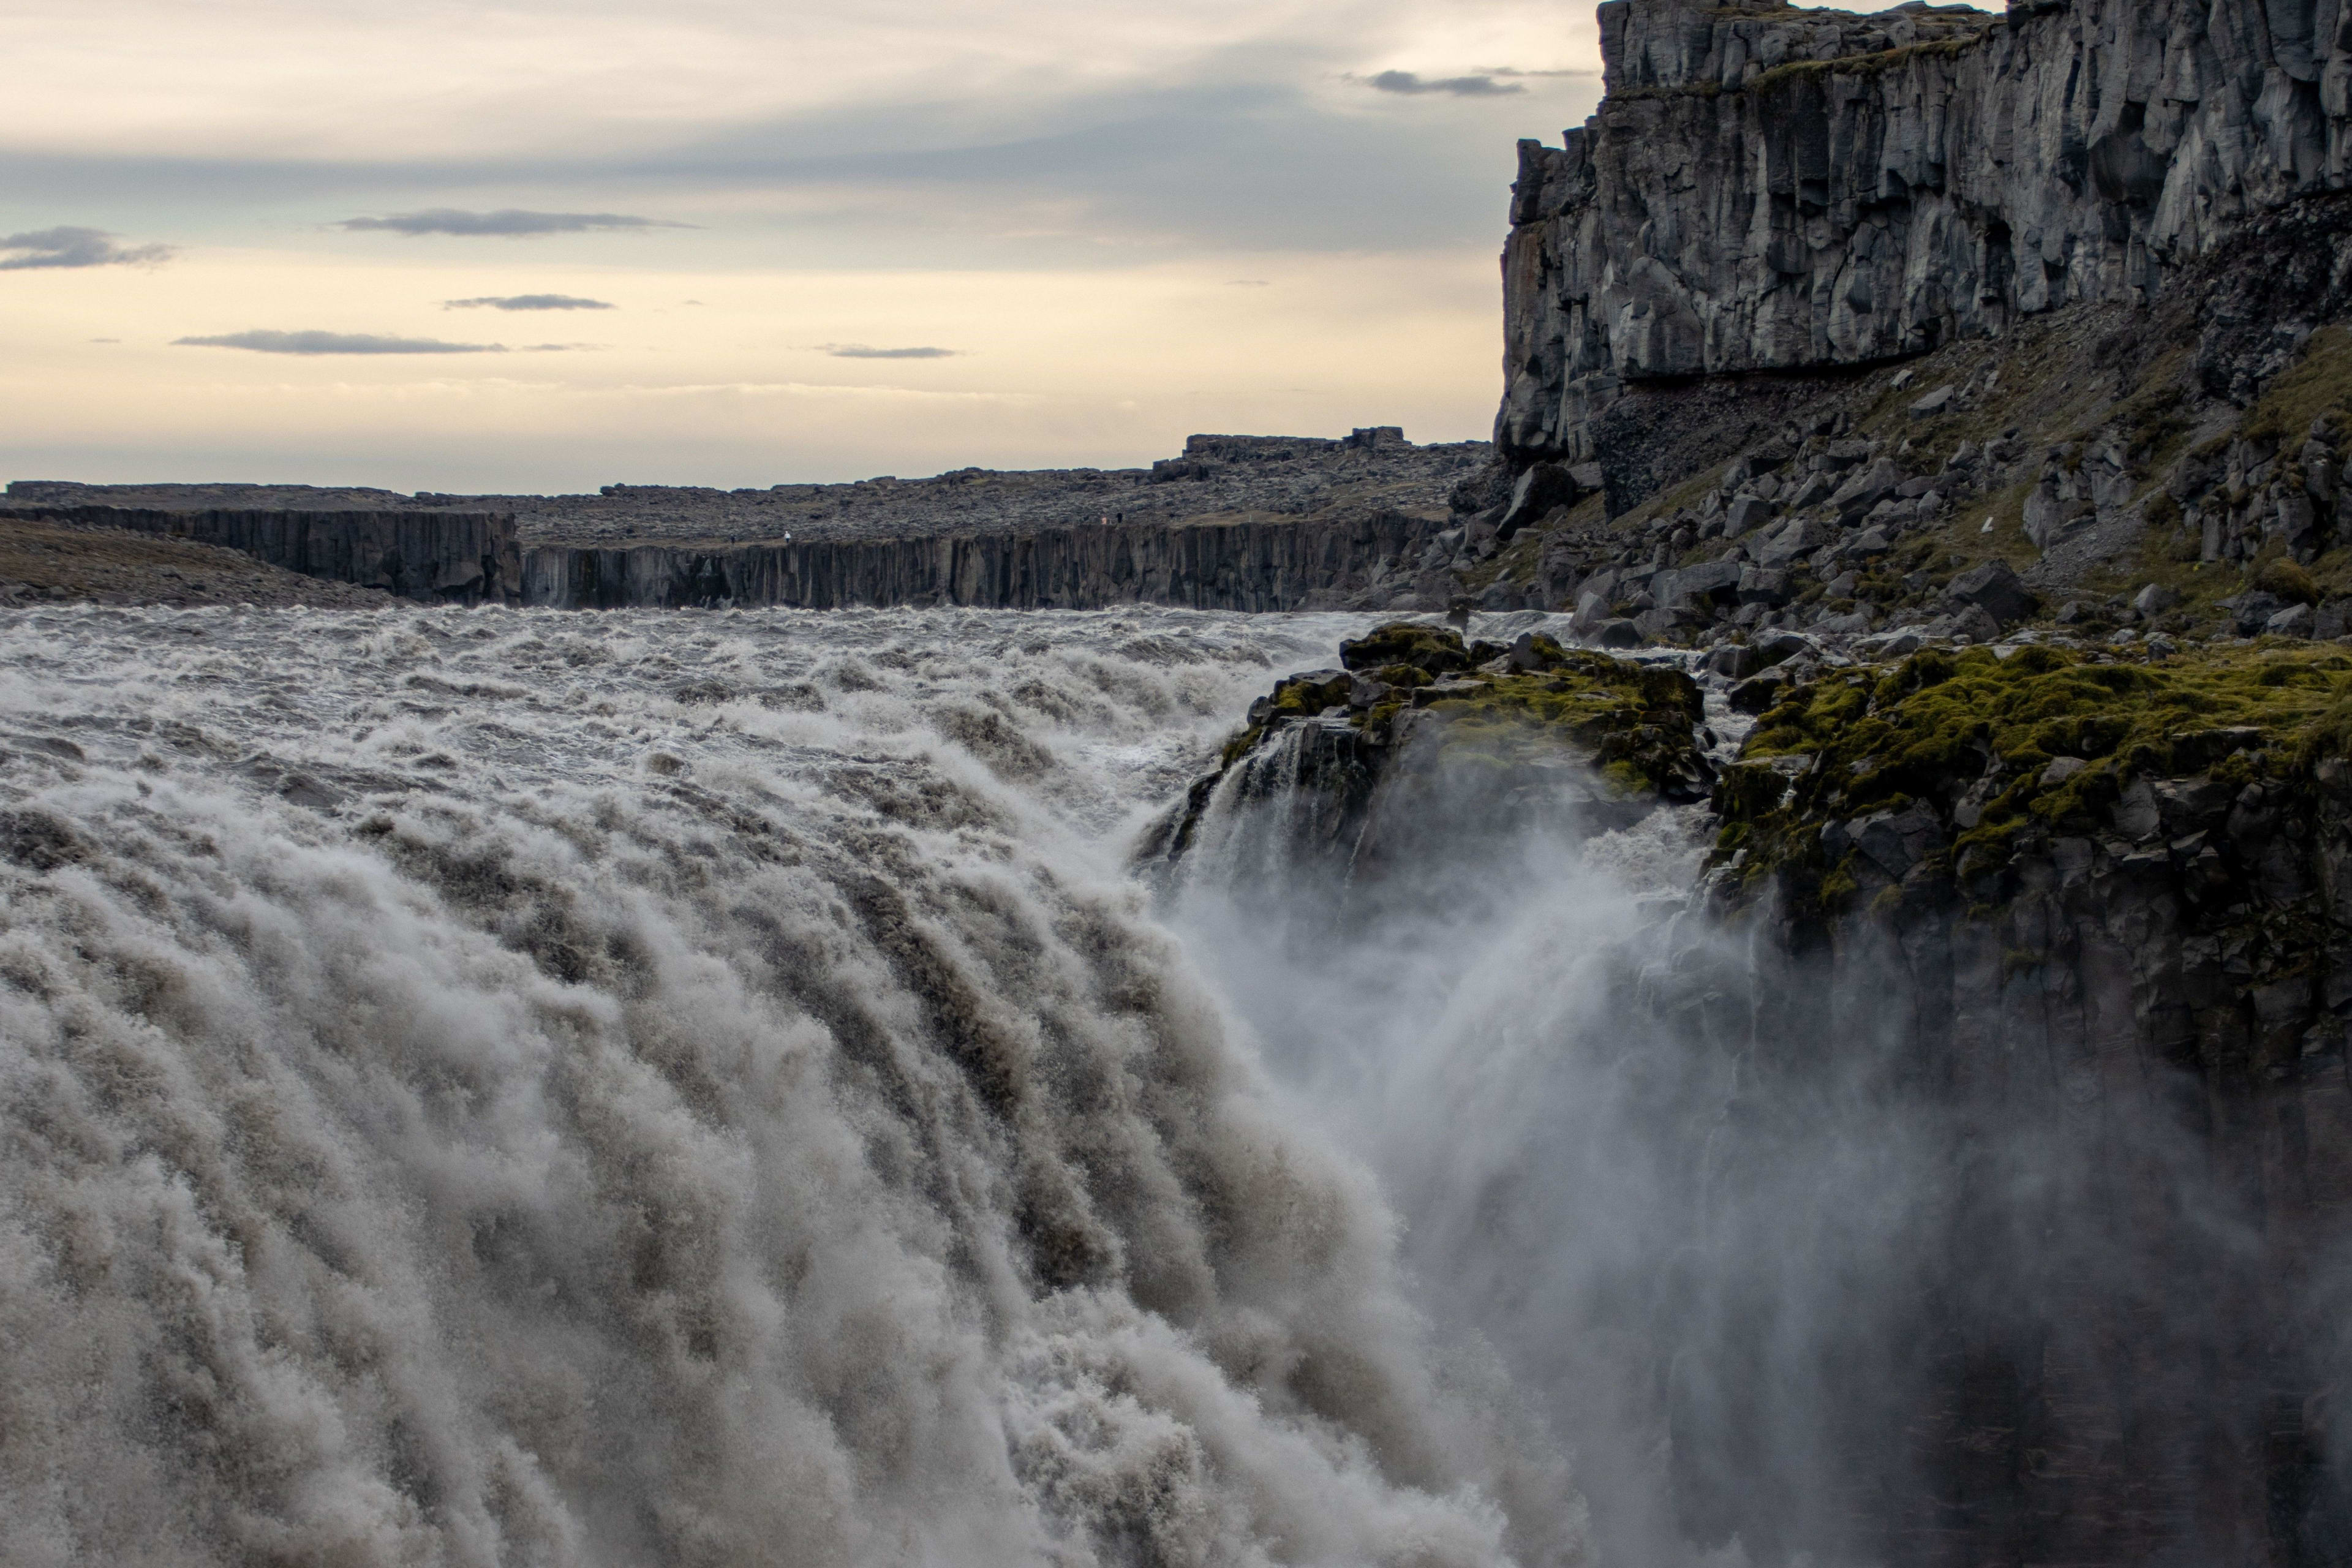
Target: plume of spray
1764, 1266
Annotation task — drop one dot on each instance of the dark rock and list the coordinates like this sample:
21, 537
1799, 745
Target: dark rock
1764, 585
1539, 490
1897, 841
1758, 692
1866, 488
1735, 660
1713, 582
1993, 588
1621, 634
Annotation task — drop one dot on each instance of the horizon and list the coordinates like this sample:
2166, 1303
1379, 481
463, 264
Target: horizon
722, 246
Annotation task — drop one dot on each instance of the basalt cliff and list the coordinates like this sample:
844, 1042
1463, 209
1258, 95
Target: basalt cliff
1769, 189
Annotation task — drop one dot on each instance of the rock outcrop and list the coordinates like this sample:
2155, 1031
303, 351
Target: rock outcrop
1768, 189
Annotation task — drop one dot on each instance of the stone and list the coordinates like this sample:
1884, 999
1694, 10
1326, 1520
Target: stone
1793, 541
1994, 588
1734, 661
2154, 600
1538, 491
2295, 621
1621, 634
1745, 515
1866, 488
2060, 770
1816, 489
1935, 403
1711, 582
1758, 692
1450, 689
2135, 813
1898, 644
1897, 841
2252, 610
1764, 585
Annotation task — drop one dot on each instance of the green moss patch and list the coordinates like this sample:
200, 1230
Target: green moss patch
1939, 725
2316, 388
1635, 724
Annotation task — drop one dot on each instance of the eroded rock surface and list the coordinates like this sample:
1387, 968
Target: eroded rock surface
1771, 189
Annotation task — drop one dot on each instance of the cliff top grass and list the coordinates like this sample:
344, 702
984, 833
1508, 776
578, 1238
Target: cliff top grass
1939, 724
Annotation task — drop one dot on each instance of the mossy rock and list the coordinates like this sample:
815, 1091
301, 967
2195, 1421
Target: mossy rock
1636, 724
1304, 696
1939, 724
1435, 650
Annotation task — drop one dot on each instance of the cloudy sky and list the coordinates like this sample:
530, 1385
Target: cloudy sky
554, 244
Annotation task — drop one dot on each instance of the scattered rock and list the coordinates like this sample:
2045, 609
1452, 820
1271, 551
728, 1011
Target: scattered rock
1994, 588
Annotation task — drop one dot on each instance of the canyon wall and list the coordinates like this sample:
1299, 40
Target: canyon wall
466, 557
1367, 557
1247, 565
1766, 189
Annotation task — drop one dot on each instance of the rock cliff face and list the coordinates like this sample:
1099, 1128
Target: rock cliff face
1768, 189
2095, 914
1256, 565
468, 557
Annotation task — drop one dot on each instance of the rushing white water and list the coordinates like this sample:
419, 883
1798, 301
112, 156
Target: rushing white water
495, 1088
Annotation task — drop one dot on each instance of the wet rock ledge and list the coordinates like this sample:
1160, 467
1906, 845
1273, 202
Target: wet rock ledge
1510, 733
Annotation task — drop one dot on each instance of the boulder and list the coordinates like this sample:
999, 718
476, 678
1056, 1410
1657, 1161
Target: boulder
1734, 661
1993, 588
1746, 515
1538, 491
1711, 580
1759, 691
1866, 488
1764, 585
1621, 634
1793, 541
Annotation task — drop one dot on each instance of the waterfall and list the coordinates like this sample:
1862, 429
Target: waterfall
493, 1086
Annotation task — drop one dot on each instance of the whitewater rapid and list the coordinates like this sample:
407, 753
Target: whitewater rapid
481, 1087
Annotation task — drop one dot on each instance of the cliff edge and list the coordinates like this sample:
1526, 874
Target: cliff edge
1770, 189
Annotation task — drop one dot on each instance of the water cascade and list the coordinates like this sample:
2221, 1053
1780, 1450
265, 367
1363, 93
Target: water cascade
509, 1088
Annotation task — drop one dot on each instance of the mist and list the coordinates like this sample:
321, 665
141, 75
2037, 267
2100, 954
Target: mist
1785, 1271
